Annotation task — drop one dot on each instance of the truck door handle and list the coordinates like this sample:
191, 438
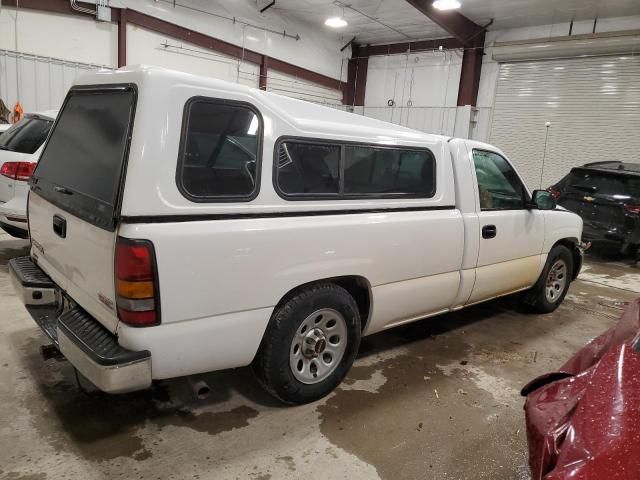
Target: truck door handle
489, 231
60, 226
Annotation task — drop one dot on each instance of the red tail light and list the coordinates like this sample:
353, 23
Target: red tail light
18, 170
556, 193
137, 294
632, 208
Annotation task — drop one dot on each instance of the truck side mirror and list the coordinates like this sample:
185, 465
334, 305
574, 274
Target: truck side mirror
543, 200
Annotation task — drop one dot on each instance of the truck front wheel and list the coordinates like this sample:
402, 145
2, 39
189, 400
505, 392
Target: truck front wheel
310, 344
552, 286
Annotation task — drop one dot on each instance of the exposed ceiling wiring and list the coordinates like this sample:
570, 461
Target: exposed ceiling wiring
282, 33
373, 19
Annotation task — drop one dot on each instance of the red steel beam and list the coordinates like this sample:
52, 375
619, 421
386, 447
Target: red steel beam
187, 35
471, 36
357, 68
305, 74
122, 37
470, 73
452, 21
262, 81
211, 43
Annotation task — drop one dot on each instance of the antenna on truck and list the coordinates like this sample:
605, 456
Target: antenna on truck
544, 152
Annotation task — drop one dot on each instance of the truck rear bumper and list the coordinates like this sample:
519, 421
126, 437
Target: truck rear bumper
90, 347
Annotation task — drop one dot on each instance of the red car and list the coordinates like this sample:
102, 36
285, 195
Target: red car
583, 421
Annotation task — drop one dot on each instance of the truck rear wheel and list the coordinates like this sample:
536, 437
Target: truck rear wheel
310, 344
552, 286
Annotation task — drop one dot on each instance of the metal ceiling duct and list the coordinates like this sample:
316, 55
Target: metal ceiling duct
610, 43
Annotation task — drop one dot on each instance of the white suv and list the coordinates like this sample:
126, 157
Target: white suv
20, 148
226, 226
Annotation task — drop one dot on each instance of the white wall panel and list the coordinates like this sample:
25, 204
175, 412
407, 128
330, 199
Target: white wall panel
297, 88
317, 49
43, 81
593, 105
85, 40
73, 38
438, 120
419, 80
422, 86
147, 47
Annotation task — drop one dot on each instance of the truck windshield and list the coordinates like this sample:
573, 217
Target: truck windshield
80, 169
26, 136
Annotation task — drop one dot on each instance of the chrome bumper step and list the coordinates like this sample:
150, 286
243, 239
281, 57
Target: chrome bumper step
84, 341
95, 340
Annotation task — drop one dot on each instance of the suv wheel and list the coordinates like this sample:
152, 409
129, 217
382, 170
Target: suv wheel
310, 344
552, 286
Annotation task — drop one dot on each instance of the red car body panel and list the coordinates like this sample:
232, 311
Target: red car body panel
583, 422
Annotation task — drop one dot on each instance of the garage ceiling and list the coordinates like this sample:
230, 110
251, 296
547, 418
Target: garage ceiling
403, 22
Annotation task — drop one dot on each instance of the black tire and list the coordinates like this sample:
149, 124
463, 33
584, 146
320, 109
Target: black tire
536, 299
271, 364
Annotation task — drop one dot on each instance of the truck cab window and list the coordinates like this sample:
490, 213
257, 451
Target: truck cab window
219, 151
499, 186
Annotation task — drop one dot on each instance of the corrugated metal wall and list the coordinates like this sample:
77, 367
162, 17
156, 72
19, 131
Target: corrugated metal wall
593, 105
40, 83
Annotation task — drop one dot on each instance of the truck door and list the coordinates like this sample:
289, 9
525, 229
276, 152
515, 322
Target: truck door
511, 235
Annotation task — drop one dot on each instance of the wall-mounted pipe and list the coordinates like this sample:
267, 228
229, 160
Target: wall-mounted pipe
348, 44
283, 33
264, 9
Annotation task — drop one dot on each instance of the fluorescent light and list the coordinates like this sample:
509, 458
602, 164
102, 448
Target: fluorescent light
335, 22
446, 4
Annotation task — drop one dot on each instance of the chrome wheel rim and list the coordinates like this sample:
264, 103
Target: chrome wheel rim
556, 281
318, 346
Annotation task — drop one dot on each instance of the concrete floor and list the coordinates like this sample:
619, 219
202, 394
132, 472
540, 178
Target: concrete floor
433, 400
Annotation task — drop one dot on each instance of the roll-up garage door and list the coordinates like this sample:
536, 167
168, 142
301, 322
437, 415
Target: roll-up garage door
592, 104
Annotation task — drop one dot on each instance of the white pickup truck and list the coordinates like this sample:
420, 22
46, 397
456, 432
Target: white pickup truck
182, 224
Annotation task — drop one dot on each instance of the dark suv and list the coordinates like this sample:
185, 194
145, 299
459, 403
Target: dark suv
607, 197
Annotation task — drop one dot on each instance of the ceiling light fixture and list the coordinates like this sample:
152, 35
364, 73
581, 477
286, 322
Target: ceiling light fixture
335, 22
446, 4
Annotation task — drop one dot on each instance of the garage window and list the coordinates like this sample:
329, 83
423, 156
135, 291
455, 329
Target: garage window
219, 153
307, 169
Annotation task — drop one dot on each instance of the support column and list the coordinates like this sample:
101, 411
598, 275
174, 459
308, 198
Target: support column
122, 38
262, 81
356, 76
470, 74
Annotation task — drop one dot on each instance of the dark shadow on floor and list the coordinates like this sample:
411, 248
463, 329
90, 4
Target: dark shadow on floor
599, 253
12, 247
